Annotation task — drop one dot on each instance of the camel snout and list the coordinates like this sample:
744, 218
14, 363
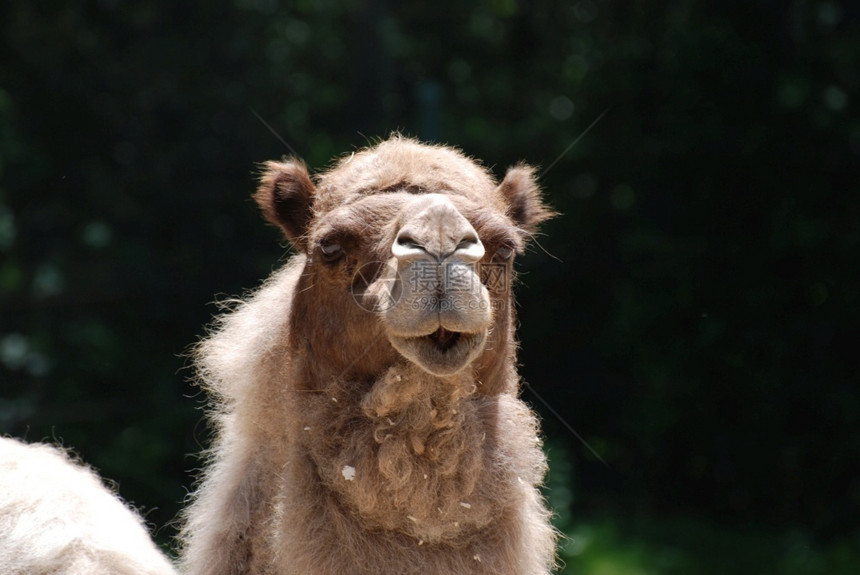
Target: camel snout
436, 231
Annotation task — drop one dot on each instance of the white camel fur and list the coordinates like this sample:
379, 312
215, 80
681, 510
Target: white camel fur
58, 518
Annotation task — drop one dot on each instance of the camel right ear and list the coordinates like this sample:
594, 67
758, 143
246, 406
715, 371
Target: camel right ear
525, 205
286, 196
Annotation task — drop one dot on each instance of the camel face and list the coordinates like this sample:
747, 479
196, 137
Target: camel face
417, 280
406, 244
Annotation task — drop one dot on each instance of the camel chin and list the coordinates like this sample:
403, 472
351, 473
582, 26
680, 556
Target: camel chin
442, 352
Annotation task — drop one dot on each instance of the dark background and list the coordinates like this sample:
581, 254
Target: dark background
692, 315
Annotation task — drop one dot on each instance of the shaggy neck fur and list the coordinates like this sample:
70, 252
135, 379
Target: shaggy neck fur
416, 453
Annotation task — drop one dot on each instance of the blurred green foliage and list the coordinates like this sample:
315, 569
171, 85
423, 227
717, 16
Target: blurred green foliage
679, 547
693, 314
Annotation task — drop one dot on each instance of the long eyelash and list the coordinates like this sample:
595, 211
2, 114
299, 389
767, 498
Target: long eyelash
533, 238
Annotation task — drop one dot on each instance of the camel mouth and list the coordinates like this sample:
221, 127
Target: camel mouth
444, 339
442, 352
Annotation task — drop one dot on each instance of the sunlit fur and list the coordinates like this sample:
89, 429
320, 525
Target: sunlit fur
334, 454
57, 518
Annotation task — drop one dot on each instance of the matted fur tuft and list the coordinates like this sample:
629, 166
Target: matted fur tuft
335, 454
58, 518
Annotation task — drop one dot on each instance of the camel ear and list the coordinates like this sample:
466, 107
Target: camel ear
523, 196
285, 196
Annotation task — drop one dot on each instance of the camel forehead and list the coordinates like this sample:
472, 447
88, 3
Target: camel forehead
400, 164
373, 213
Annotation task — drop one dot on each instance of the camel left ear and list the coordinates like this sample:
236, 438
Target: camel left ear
285, 196
525, 205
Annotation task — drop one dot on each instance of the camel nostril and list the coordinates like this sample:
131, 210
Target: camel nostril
406, 246
407, 241
468, 241
470, 248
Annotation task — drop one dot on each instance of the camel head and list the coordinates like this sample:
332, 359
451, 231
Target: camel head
408, 256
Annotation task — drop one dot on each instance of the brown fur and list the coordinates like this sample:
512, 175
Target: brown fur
351, 438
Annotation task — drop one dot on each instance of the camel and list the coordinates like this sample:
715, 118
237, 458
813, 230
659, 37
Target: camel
365, 400
58, 518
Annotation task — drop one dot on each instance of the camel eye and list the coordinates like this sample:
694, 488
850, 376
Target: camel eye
504, 253
331, 252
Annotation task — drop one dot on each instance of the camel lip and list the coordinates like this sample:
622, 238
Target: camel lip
444, 339
442, 352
